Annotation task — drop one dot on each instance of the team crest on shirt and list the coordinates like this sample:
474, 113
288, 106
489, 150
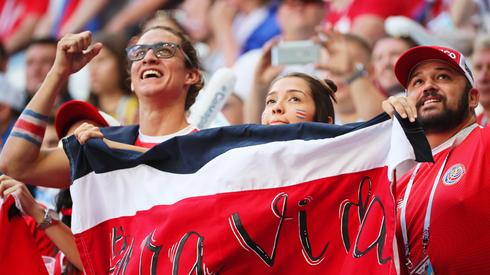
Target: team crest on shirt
454, 174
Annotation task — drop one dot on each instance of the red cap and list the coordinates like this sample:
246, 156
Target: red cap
414, 56
75, 110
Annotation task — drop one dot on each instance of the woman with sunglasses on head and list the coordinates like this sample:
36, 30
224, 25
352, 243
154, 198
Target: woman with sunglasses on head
165, 76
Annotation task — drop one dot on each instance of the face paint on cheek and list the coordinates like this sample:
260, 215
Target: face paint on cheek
301, 114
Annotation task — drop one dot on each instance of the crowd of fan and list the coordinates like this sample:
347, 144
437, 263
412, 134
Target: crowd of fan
360, 41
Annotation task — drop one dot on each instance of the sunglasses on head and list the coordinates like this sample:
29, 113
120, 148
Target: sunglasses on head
161, 50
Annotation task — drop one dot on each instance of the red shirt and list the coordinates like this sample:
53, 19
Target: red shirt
459, 240
381, 8
44, 244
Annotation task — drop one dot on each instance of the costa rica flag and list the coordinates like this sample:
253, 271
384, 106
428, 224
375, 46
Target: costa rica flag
306, 198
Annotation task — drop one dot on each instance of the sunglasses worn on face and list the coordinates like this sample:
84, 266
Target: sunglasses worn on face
161, 50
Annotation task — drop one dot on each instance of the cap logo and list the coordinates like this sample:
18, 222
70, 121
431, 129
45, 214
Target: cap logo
450, 53
454, 174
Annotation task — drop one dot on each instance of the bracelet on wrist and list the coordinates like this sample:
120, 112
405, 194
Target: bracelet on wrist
50, 217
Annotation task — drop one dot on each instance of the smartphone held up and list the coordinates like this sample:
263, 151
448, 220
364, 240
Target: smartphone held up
295, 53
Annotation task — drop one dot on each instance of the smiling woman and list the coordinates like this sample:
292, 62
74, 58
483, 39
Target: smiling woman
298, 97
165, 76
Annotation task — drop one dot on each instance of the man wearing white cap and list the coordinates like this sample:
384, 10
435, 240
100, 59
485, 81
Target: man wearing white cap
443, 214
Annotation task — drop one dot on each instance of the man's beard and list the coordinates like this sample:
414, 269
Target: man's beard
448, 119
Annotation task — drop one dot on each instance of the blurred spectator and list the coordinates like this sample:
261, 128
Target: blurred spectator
195, 17
365, 18
484, 10
438, 15
109, 80
348, 64
70, 16
241, 26
385, 54
11, 100
40, 55
456, 22
481, 69
297, 21
18, 19
136, 11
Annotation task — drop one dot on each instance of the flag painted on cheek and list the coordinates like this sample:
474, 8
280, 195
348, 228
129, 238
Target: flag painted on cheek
250, 199
301, 114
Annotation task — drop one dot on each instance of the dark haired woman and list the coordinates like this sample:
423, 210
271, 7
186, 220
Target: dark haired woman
298, 97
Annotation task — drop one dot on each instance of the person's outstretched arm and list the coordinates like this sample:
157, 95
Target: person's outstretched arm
264, 73
22, 157
366, 97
